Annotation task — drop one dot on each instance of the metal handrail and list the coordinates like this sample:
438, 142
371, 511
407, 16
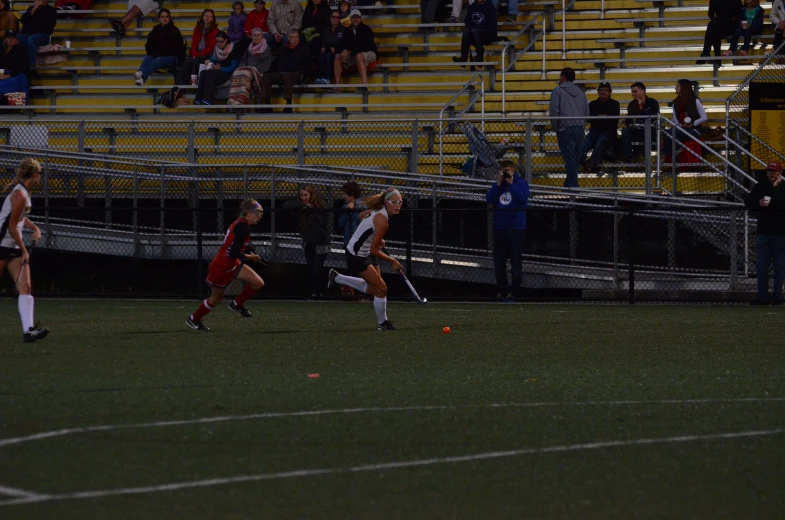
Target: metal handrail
468, 85
529, 25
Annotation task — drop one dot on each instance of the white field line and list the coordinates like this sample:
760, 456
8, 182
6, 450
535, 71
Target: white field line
388, 465
19, 493
347, 411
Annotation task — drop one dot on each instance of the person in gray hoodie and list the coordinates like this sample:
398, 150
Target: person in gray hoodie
569, 100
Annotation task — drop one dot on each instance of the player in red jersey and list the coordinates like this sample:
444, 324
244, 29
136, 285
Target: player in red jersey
228, 264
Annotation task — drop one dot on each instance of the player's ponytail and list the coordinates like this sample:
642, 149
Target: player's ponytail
26, 169
249, 205
376, 201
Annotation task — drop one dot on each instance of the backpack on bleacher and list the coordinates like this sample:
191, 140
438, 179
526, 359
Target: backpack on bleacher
170, 97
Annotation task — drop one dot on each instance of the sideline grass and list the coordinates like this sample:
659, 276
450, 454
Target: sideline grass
119, 362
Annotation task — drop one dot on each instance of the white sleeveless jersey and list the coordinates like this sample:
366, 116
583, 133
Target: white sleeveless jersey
6, 240
360, 243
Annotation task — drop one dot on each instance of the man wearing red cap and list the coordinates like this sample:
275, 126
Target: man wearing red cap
768, 200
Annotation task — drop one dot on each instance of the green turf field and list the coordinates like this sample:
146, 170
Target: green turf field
523, 411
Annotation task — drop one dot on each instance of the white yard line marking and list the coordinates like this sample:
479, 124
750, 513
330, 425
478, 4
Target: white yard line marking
19, 493
388, 465
307, 413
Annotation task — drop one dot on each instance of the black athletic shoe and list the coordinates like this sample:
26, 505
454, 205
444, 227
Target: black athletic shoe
239, 309
386, 325
331, 278
196, 325
34, 334
118, 27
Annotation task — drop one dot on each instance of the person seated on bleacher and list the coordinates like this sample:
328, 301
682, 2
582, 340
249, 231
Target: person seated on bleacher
688, 113
257, 18
749, 23
236, 23
480, 30
332, 38
316, 20
777, 17
220, 66
285, 15
136, 9
8, 19
15, 63
633, 134
345, 12
247, 79
164, 47
291, 67
722, 16
202, 46
38, 24
358, 48
602, 132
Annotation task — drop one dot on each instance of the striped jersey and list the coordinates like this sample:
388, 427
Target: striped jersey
6, 240
360, 243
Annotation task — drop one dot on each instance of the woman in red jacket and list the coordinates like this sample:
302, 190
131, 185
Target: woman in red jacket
202, 45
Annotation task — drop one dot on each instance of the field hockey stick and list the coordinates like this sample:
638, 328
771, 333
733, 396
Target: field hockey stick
412, 290
22, 270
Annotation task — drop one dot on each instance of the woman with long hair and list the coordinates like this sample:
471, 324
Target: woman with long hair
164, 47
749, 23
13, 253
202, 46
688, 113
367, 242
220, 68
314, 223
229, 263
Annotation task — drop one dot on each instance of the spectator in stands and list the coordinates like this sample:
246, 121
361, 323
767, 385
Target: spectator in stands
257, 18
428, 10
237, 19
291, 67
336, 4
569, 101
285, 16
220, 66
348, 220
38, 24
247, 79
332, 39
722, 16
136, 9
358, 48
345, 11
164, 47
480, 30
749, 23
8, 19
510, 191
767, 200
202, 46
633, 134
315, 224
688, 113
777, 17
602, 132
15, 63
316, 20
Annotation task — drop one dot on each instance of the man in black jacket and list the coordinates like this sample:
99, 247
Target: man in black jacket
633, 135
291, 66
767, 199
602, 132
38, 24
722, 20
480, 30
358, 48
15, 64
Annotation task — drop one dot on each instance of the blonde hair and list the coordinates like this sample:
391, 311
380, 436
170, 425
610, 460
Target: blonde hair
26, 169
376, 201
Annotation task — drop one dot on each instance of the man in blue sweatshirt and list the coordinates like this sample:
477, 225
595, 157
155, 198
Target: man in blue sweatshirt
509, 192
568, 100
480, 30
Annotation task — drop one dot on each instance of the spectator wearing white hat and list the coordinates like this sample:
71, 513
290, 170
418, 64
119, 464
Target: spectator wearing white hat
358, 48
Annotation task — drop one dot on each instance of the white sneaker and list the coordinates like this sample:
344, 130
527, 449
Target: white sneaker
139, 78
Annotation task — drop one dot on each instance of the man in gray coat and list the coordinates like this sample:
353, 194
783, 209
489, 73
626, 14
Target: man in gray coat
568, 100
285, 15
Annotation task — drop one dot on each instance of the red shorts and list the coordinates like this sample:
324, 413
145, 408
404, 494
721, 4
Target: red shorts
222, 272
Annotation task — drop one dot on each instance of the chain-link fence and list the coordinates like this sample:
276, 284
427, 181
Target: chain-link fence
579, 245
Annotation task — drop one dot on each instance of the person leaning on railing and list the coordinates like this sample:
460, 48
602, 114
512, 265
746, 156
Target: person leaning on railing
633, 135
164, 47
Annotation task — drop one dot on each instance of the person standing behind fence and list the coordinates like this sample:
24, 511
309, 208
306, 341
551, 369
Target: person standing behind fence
314, 221
568, 100
602, 132
13, 253
767, 200
509, 192
348, 220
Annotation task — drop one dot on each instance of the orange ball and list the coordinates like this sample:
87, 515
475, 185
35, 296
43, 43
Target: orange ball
446, 330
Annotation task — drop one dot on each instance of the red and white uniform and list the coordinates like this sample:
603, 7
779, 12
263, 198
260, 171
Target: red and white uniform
228, 261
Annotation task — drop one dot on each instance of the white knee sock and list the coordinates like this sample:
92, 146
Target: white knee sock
380, 306
352, 281
26, 306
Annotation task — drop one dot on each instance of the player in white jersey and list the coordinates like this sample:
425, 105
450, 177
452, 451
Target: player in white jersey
13, 253
366, 243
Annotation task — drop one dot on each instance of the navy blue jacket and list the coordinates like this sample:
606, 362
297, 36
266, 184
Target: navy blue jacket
482, 16
509, 196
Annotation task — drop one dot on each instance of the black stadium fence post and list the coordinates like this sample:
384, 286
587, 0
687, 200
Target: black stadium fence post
409, 245
630, 255
200, 267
